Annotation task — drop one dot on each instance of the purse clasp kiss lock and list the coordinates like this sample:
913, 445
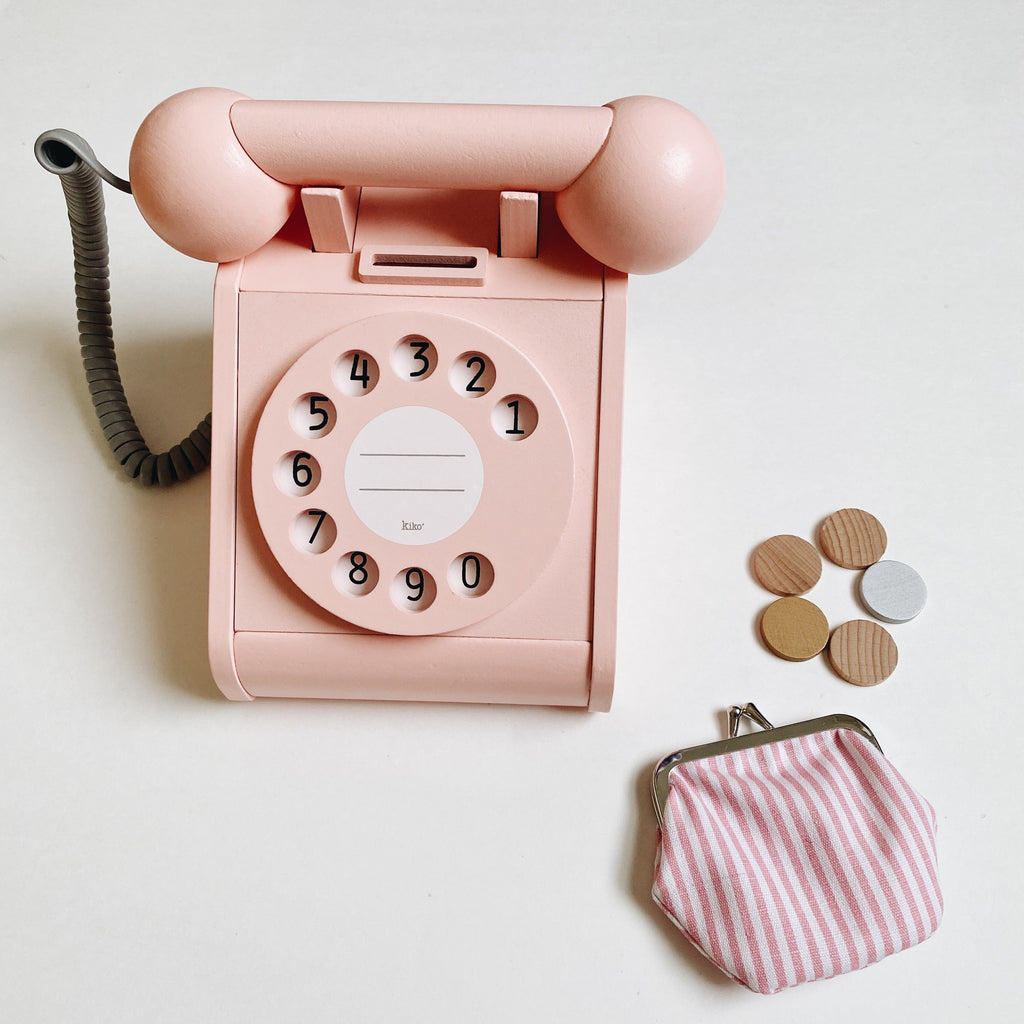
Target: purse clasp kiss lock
794, 854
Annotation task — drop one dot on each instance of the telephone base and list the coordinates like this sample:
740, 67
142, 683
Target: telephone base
507, 593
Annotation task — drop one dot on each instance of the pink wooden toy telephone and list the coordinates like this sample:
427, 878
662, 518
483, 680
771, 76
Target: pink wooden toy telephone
419, 319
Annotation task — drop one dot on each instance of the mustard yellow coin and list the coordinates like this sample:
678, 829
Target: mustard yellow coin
794, 628
787, 565
863, 652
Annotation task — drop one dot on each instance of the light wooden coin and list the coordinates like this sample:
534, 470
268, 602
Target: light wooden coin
852, 538
892, 591
794, 628
862, 652
787, 565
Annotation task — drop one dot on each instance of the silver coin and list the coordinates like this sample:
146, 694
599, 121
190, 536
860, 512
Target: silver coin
892, 591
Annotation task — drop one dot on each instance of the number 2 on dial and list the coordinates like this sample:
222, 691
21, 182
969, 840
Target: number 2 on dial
479, 368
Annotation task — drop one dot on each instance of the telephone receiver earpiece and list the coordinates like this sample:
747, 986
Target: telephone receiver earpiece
639, 182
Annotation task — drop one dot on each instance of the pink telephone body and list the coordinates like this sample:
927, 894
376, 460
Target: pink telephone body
419, 319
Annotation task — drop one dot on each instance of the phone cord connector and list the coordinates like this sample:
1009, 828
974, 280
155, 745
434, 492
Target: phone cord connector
81, 176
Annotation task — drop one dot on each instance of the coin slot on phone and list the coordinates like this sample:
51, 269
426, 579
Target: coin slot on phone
423, 264
391, 259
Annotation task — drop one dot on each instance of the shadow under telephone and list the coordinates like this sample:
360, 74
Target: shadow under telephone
419, 318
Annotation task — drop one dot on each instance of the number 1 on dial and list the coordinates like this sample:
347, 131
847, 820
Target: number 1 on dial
514, 418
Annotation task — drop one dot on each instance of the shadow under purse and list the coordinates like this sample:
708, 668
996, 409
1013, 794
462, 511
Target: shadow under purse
795, 853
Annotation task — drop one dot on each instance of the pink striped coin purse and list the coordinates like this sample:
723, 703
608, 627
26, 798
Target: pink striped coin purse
795, 853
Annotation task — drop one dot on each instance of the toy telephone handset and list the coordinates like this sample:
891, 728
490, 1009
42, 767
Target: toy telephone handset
419, 318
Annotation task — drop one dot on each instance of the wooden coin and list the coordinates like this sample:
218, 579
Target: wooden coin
852, 538
794, 628
787, 565
862, 652
892, 591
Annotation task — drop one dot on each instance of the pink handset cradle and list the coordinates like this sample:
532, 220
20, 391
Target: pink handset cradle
419, 318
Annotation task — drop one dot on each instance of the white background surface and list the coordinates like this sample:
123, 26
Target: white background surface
851, 335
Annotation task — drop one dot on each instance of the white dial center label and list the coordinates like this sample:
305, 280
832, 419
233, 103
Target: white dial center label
414, 475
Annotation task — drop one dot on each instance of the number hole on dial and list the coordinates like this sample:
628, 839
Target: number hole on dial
414, 358
297, 473
356, 373
514, 418
472, 375
356, 573
313, 531
413, 590
313, 415
470, 575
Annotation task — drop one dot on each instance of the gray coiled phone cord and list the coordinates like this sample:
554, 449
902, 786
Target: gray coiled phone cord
81, 175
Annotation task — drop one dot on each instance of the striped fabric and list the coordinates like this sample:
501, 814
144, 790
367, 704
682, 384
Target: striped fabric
797, 860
